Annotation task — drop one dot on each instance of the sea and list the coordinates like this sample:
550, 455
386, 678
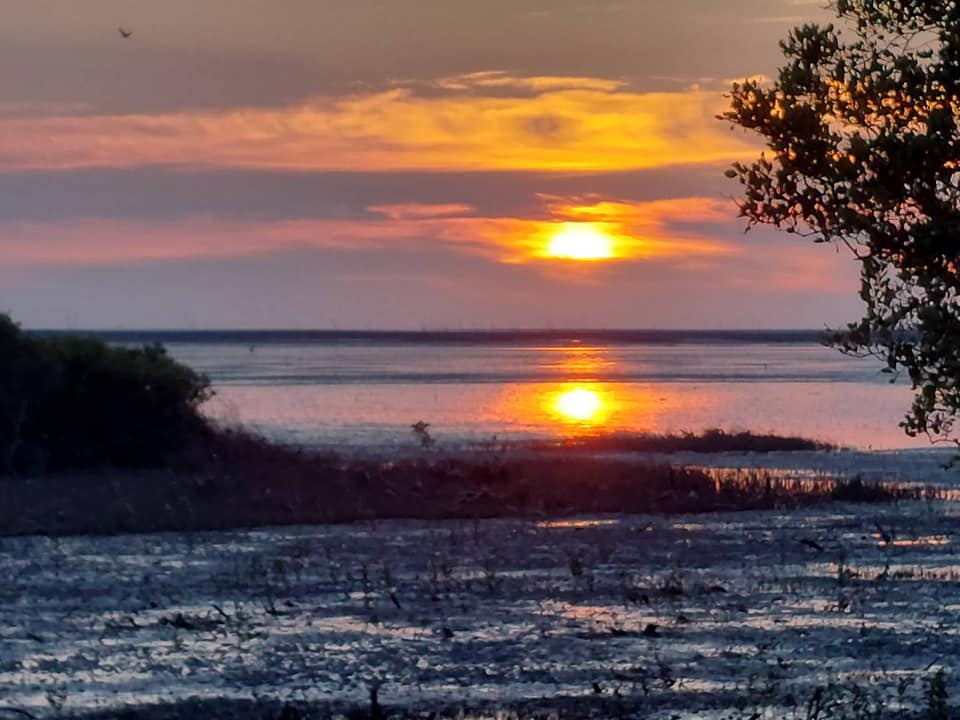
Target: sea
365, 390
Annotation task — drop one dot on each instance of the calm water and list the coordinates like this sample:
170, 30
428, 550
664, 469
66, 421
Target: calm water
366, 389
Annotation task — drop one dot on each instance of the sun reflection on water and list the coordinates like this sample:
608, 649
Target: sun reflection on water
580, 401
578, 362
579, 404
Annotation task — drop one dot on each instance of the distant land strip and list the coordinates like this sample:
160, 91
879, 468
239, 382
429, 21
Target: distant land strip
456, 337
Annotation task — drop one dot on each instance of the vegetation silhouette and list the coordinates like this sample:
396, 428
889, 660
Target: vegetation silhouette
863, 150
75, 401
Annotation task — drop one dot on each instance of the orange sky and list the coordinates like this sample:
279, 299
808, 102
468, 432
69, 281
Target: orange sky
391, 165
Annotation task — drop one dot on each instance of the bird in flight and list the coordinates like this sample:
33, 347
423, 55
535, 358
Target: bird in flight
126, 33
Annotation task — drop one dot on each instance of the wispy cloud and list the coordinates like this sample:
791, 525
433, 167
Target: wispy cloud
539, 84
414, 211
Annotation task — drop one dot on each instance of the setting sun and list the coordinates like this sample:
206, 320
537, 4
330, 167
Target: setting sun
581, 241
579, 404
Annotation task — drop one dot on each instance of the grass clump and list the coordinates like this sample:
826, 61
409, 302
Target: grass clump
74, 401
709, 441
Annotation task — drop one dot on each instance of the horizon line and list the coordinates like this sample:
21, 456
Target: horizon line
546, 335
414, 331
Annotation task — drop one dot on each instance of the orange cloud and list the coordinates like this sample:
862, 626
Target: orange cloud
642, 232
639, 231
551, 123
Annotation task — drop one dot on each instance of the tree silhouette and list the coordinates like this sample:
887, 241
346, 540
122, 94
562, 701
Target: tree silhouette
864, 150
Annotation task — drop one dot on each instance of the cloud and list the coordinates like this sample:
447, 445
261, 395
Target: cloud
394, 286
564, 124
539, 84
166, 194
639, 230
414, 211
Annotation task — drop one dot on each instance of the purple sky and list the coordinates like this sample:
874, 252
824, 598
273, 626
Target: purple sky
402, 164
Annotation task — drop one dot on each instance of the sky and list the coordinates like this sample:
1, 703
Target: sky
392, 164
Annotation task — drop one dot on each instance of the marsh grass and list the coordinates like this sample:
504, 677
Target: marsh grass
713, 440
236, 479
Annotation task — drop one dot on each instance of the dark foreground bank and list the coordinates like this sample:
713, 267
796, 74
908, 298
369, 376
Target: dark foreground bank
239, 480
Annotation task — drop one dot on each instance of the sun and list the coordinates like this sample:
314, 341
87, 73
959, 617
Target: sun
580, 241
579, 404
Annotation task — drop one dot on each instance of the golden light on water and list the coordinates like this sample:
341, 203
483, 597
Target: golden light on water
583, 400
580, 405
581, 241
